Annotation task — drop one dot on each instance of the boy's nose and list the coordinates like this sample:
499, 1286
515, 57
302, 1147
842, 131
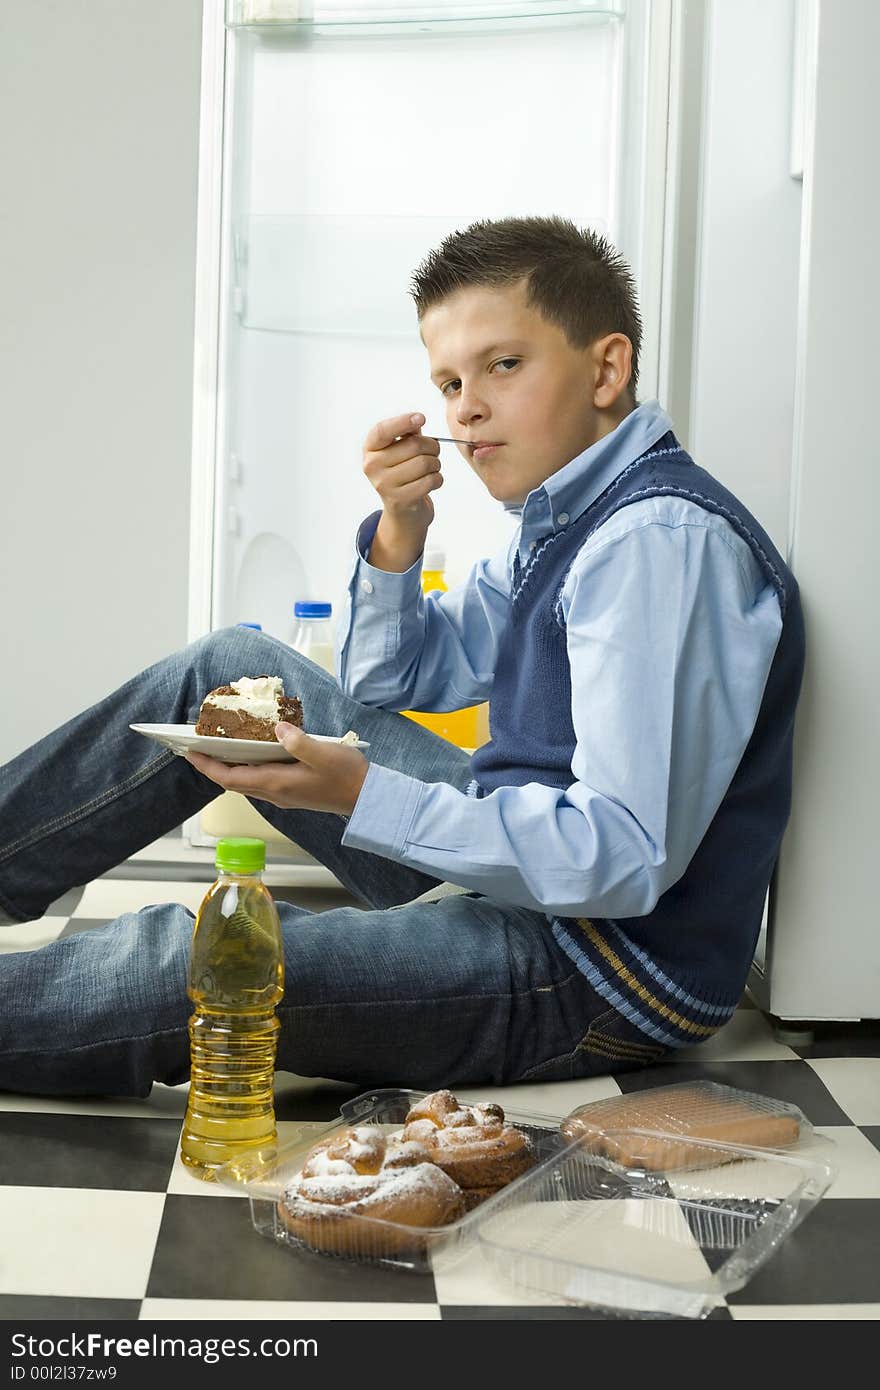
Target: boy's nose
469, 410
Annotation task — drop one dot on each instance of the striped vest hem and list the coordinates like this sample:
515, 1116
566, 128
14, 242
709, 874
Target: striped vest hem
634, 985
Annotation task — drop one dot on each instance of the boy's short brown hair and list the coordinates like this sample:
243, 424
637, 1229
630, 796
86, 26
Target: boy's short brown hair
576, 278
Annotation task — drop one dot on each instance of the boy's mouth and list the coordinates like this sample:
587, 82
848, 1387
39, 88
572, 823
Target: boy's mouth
483, 448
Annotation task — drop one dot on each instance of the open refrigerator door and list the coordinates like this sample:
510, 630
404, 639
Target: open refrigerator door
339, 144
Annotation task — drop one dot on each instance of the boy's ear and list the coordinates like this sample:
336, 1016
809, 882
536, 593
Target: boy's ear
612, 365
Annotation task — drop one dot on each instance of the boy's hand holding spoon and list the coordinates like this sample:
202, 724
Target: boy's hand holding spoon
403, 466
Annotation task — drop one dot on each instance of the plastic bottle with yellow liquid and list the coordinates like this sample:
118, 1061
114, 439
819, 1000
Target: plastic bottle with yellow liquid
236, 979
468, 728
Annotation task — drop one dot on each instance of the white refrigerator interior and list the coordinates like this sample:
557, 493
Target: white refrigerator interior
349, 143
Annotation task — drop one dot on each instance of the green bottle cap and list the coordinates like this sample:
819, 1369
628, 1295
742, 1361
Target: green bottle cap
240, 856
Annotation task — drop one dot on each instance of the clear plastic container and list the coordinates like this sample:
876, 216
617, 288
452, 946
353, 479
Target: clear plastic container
672, 1224
265, 1176
635, 1241
621, 1127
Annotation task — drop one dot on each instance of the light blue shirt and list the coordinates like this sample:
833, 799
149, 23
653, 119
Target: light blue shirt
671, 631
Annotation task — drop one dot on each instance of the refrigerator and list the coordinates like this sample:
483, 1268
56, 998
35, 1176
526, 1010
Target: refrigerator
339, 142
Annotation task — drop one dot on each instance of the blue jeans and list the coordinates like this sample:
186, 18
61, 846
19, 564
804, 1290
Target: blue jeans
462, 991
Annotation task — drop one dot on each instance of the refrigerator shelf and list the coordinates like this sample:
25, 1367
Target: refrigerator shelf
289, 19
343, 274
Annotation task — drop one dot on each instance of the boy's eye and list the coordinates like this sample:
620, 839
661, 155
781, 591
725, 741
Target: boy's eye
508, 363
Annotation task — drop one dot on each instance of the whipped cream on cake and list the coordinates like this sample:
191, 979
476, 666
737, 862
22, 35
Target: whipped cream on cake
248, 708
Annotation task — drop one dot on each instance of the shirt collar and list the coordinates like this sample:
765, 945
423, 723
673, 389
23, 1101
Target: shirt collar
568, 492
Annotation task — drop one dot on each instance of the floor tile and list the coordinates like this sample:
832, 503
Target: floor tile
794, 1082
309, 1097
857, 1162
108, 898
544, 1098
101, 1242
567, 1313
67, 903
830, 1257
469, 1279
82, 1151
302, 1311
25, 1308
209, 1249
807, 1312
872, 1134
30, 936
860, 1039
748, 1037
163, 1102
184, 1181
854, 1082
75, 925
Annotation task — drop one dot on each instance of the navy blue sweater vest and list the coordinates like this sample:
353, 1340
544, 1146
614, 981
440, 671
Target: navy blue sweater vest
678, 972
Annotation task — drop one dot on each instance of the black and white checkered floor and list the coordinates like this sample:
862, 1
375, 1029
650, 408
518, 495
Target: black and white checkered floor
100, 1220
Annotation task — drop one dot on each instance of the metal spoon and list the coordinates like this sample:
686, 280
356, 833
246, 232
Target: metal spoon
441, 439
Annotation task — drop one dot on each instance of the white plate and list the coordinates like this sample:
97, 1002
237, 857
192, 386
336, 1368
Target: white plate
183, 739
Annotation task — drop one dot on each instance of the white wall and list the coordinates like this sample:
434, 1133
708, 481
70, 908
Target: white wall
742, 386
99, 103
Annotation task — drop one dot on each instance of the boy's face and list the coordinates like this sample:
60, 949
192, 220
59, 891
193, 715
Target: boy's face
512, 381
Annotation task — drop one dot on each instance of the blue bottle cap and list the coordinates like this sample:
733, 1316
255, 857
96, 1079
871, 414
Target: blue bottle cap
257, 626
312, 610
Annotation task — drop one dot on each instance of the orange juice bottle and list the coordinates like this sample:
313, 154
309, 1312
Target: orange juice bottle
468, 728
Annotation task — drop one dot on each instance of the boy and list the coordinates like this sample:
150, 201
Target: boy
642, 645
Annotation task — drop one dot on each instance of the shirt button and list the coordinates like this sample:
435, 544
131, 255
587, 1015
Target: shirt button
562, 518
366, 586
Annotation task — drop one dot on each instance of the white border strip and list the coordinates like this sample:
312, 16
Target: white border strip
655, 189
206, 320
807, 116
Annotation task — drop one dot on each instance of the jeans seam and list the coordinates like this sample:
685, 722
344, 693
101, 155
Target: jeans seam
97, 804
302, 1007
594, 1027
580, 1046
89, 1046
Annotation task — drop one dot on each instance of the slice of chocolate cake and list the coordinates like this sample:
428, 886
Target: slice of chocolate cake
248, 708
